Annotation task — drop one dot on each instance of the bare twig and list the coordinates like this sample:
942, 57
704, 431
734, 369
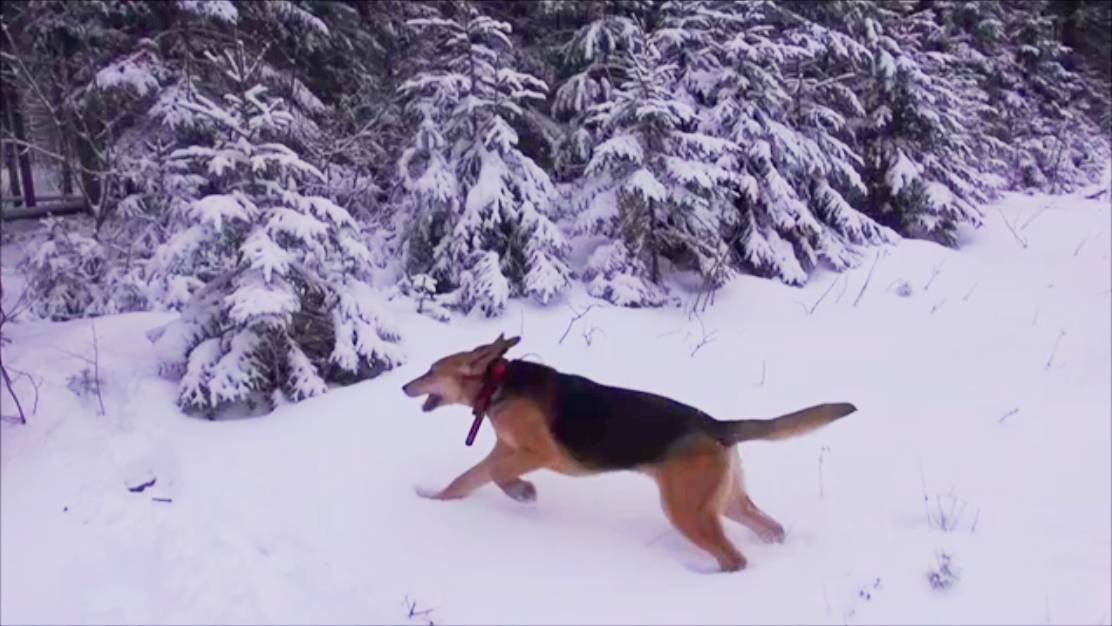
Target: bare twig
926, 498
1079, 246
842, 291
96, 365
75, 355
21, 303
1019, 240
1028, 221
970, 292
414, 613
706, 338
93, 362
1050, 360
762, 381
822, 456
36, 385
52, 155
709, 284
811, 310
1007, 415
11, 392
935, 271
938, 305
578, 316
6, 316
869, 277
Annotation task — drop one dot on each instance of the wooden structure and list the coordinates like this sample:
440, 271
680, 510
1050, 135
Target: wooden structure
13, 208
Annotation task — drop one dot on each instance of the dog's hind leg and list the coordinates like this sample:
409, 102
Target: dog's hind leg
740, 508
692, 491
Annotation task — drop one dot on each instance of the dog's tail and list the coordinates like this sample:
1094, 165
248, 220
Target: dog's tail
784, 426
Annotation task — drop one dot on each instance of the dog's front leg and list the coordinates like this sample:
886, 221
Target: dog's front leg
481, 474
470, 480
508, 470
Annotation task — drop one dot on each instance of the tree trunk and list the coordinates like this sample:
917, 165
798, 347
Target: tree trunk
13, 173
9, 150
64, 140
90, 183
24, 158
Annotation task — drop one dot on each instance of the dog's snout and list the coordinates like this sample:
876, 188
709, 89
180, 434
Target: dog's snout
410, 388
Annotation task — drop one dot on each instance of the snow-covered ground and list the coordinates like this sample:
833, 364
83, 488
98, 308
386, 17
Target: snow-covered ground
985, 390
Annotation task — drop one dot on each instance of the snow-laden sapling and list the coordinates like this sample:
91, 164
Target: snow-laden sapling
73, 272
65, 273
291, 309
477, 204
422, 288
88, 382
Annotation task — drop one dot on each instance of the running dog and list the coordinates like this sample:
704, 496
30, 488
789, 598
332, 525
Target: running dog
573, 425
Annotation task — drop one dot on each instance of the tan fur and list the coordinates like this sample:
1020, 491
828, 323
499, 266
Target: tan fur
700, 481
695, 489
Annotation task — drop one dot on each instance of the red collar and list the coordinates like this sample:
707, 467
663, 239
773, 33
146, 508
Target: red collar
493, 378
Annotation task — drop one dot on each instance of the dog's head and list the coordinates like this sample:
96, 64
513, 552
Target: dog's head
456, 378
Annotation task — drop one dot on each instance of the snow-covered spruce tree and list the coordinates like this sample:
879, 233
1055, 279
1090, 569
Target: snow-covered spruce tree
477, 205
1035, 127
921, 167
284, 305
974, 37
771, 83
653, 185
590, 56
1061, 145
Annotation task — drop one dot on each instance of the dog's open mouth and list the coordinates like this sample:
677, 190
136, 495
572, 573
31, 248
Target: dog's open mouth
431, 402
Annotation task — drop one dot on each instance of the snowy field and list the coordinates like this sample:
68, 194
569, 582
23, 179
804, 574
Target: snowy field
982, 386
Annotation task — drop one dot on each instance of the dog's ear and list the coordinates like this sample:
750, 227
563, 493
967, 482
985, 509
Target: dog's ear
483, 355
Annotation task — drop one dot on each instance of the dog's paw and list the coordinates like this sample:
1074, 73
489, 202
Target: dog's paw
521, 490
773, 534
719, 567
728, 566
426, 492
